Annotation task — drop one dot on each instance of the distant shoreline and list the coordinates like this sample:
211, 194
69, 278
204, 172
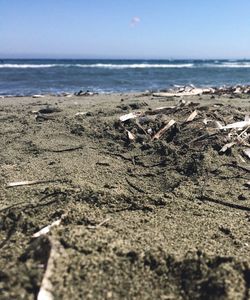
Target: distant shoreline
176, 91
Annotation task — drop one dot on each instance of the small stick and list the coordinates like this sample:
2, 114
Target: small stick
46, 229
192, 116
135, 187
163, 130
130, 135
227, 146
202, 137
98, 225
243, 131
46, 288
32, 182
66, 149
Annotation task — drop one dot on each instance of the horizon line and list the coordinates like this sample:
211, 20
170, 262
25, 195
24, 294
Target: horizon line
109, 58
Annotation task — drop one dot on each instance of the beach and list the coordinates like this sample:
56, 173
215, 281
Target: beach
154, 205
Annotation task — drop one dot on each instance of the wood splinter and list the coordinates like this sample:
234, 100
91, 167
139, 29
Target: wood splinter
192, 116
163, 130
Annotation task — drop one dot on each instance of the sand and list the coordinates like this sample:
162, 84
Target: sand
142, 219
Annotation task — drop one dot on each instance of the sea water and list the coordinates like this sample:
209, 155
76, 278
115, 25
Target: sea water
50, 76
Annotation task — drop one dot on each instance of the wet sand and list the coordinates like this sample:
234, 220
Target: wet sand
141, 219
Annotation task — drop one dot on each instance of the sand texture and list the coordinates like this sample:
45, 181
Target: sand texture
138, 215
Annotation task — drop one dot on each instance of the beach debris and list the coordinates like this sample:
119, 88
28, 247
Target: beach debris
227, 146
211, 128
32, 182
98, 225
86, 93
247, 152
187, 91
81, 113
46, 229
218, 125
163, 130
237, 125
38, 96
131, 137
191, 90
192, 116
241, 158
129, 116
46, 288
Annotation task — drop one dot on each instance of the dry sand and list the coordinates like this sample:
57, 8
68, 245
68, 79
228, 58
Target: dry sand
163, 219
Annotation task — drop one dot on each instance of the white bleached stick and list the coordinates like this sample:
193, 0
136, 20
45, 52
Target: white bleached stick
237, 125
45, 292
192, 116
163, 130
129, 116
46, 229
22, 183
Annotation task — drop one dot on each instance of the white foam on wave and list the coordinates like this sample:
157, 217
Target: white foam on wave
217, 64
102, 66
26, 66
134, 66
228, 65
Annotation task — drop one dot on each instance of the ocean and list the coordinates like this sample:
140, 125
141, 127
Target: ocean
52, 76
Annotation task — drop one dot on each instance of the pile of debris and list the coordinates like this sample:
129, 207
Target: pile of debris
189, 140
176, 123
191, 90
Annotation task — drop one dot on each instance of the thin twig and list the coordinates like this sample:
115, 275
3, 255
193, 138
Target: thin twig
98, 225
218, 201
135, 187
32, 182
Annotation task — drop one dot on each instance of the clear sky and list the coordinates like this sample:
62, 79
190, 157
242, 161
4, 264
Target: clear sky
125, 28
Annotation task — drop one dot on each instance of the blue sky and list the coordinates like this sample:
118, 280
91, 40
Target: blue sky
104, 28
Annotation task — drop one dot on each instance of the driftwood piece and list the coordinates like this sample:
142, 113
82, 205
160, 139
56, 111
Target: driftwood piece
163, 130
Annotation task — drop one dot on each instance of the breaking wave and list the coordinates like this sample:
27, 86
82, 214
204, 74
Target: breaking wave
228, 65
105, 66
135, 66
26, 66
216, 64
